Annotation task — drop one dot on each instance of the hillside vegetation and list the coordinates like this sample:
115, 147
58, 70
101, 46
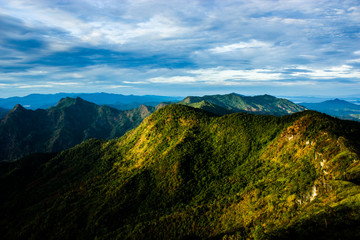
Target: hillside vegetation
188, 174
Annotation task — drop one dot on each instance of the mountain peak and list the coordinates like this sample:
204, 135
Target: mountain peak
236, 94
160, 105
18, 107
68, 101
338, 101
266, 96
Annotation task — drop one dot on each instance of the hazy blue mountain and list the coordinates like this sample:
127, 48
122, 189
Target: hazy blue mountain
71, 121
337, 108
119, 101
262, 104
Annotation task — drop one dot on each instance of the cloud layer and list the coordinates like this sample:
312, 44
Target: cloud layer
180, 47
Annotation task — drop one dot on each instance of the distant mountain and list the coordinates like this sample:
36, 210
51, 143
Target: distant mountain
262, 104
70, 122
317, 99
337, 108
119, 101
185, 173
3, 112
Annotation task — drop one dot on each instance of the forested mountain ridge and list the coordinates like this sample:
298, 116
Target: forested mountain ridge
70, 122
74, 120
188, 174
261, 104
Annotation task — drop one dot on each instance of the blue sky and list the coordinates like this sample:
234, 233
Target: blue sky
180, 48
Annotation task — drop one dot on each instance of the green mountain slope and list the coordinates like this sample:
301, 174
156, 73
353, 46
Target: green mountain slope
337, 108
262, 104
187, 174
210, 107
70, 122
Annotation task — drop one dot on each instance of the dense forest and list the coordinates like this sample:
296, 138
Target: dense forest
189, 174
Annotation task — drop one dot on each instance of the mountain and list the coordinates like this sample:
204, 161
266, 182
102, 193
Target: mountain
262, 104
3, 112
119, 101
185, 173
70, 122
337, 108
209, 107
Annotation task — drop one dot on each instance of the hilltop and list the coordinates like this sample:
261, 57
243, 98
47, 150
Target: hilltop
185, 173
262, 104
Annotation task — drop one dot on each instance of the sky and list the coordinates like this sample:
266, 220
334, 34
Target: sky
180, 47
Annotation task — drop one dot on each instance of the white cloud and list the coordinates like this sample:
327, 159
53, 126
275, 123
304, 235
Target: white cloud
36, 86
354, 60
135, 82
334, 72
173, 80
9, 85
158, 27
241, 45
63, 83
225, 77
115, 86
96, 31
220, 75
295, 21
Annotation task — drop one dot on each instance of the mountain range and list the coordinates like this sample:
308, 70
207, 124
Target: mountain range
220, 104
337, 108
71, 121
74, 120
185, 173
118, 101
